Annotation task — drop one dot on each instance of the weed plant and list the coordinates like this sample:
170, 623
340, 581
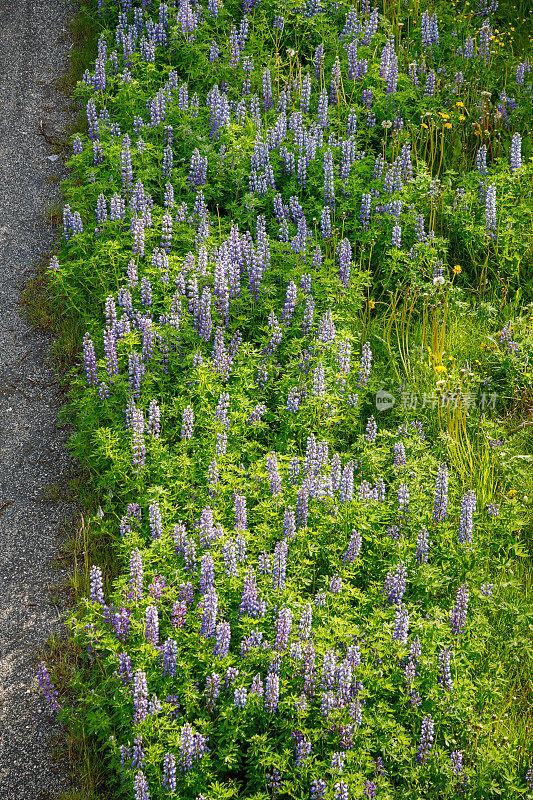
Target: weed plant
298, 240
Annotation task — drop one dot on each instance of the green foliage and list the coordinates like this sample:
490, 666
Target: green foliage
437, 314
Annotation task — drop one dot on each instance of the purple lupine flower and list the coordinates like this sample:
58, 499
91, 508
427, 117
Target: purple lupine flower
371, 429
318, 789
341, 791
302, 507
399, 454
365, 366
125, 160
290, 303
364, 215
329, 190
169, 772
168, 656
485, 35
96, 586
140, 697
241, 698
516, 153
346, 485
336, 471
335, 586
140, 786
91, 368
230, 559
240, 549
189, 554
136, 372
138, 445
258, 412
138, 236
337, 762
370, 790
283, 629
319, 62
124, 672
325, 222
279, 565
529, 778
481, 160
152, 625
92, 119
271, 693
441, 494
490, 209
403, 502
422, 547
395, 584
47, 688
401, 624
156, 528
466, 521
426, 738
210, 604
289, 523
207, 573
459, 612
221, 411
154, 420
353, 549
212, 691
241, 521
187, 427
249, 598
468, 50
179, 612
521, 69
429, 89
268, 102
326, 330
168, 199
273, 473
319, 384
445, 677
396, 236
344, 253
189, 747
293, 400
294, 470
222, 639
121, 623
302, 748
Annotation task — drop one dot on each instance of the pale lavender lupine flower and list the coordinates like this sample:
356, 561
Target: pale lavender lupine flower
47, 688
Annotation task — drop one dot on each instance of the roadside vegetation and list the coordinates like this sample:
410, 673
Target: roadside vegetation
296, 267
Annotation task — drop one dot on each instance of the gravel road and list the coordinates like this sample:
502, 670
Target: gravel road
34, 50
